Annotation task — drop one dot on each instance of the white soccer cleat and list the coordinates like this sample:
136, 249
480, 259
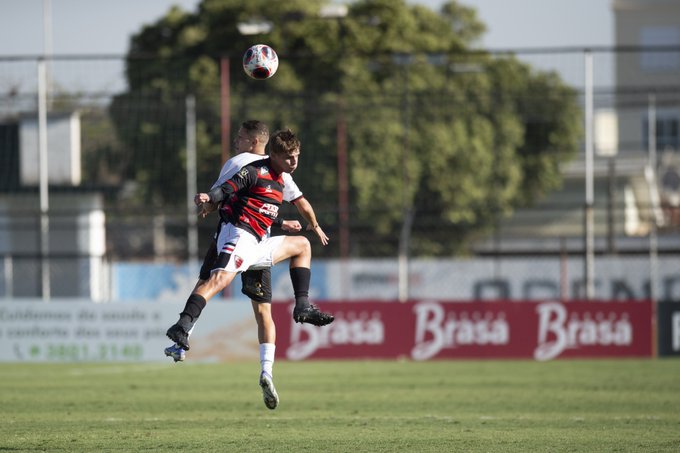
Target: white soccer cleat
271, 398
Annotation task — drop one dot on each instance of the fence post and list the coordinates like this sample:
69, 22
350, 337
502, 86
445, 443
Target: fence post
653, 198
43, 175
192, 233
589, 220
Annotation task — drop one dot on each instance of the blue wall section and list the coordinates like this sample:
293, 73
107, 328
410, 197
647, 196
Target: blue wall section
144, 280
152, 281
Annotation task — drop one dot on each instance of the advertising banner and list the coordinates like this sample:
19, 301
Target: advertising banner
422, 330
416, 330
73, 331
668, 322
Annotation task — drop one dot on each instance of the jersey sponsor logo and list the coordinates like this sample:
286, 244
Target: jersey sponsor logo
270, 210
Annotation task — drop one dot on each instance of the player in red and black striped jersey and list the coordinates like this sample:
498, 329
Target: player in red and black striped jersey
261, 194
249, 145
250, 202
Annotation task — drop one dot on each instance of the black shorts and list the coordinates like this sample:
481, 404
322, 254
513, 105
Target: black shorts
257, 284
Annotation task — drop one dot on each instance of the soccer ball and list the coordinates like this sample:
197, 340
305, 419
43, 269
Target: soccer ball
260, 62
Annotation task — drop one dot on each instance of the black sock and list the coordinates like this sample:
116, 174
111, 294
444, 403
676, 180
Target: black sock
300, 277
192, 310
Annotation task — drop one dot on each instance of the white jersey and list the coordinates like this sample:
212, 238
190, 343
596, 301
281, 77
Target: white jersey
291, 191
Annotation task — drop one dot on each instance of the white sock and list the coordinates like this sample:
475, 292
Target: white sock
267, 357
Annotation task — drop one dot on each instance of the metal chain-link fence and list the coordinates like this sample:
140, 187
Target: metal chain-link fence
118, 175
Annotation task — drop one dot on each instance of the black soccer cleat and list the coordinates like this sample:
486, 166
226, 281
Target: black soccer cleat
312, 315
176, 352
177, 334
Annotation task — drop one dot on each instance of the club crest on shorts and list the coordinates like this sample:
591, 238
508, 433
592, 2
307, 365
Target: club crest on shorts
238, 261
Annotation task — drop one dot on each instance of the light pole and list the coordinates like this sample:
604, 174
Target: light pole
225, 108
338, 13
404, 60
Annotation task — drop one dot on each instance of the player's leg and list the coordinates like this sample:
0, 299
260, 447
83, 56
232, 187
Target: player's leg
299, 251
236, 249
176, 351
297, 248
209, 263
179, 332
266, 332
257, 286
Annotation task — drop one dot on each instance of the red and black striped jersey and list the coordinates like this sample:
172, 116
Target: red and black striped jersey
251, 198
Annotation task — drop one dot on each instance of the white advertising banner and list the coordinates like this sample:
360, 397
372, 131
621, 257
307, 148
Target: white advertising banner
535, 278
76, 331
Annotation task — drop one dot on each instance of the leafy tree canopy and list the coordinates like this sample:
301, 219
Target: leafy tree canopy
454, 136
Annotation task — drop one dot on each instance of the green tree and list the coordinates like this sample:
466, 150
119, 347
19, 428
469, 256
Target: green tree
451, 137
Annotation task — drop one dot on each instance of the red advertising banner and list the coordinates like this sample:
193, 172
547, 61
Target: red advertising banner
422, 330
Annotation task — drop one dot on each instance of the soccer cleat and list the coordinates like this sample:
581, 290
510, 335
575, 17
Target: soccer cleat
312, 315
176, 352
177, 334
271, 398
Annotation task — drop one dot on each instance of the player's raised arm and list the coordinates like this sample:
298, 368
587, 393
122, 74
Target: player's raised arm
305, 209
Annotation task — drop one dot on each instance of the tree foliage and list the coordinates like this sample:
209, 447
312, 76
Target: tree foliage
456, 137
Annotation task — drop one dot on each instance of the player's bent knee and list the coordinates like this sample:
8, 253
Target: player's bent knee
302, 245
220, 278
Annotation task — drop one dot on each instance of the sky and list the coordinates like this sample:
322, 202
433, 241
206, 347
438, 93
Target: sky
92, 26
87, 27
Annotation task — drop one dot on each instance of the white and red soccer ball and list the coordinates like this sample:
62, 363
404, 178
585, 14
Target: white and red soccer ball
260, 62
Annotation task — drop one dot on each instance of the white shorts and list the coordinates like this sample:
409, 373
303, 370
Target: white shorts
244, 249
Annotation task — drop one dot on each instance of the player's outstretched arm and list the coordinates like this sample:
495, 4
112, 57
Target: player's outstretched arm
305, 209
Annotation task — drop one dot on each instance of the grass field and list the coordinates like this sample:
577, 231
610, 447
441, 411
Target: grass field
363, 406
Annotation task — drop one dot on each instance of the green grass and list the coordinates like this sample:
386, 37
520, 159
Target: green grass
346, 406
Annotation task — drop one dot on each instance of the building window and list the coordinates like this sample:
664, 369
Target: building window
660, 60
667, 133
